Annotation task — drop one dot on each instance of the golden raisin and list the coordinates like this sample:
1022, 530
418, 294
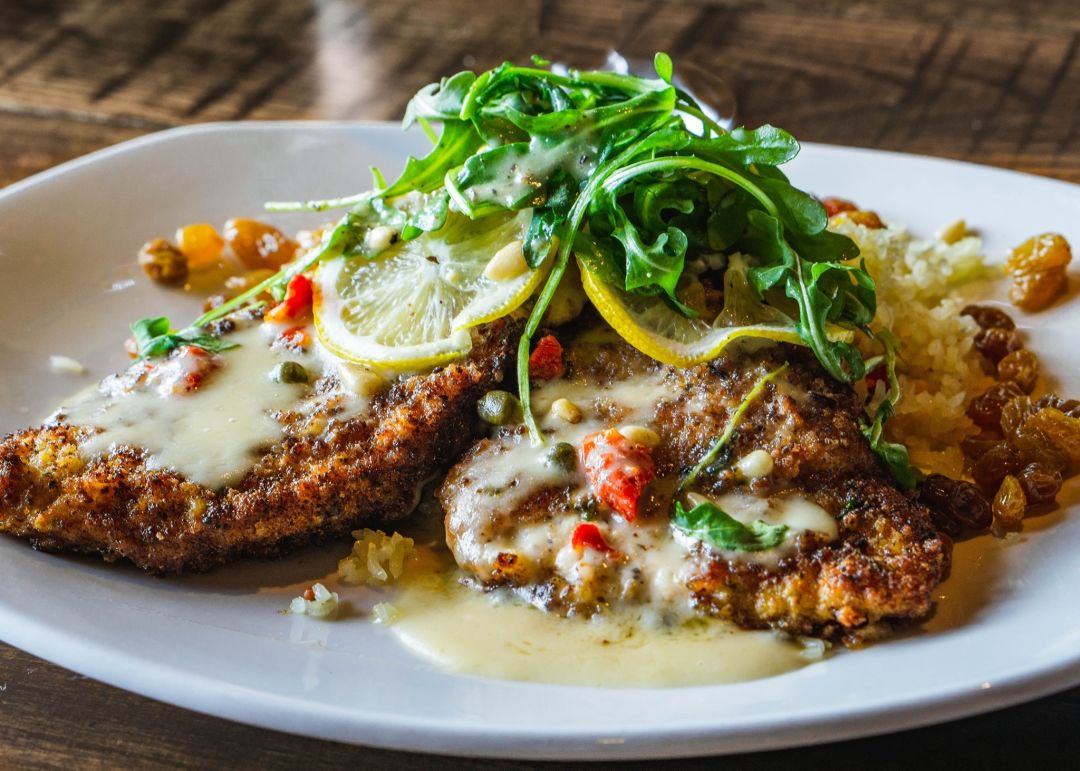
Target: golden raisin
985, 409
996, 343
1039, 253
1032, 446
868, 219
1060, 430
1040, 484
200, 243
163, 262
1021, 367
257, 244
1038, 270
1009, 506
1015, 413
988, 317
1036, 291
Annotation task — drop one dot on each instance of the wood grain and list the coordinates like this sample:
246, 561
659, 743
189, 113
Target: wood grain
994, 82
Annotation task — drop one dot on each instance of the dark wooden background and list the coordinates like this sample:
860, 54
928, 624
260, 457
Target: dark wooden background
991, 81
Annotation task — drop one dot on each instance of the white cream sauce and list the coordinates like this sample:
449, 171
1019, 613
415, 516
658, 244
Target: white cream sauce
655, 561
215, 433
495, 635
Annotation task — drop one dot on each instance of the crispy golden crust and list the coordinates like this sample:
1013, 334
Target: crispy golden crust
881, 569
308, 488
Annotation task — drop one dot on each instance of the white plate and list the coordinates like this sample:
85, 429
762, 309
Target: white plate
1008, 627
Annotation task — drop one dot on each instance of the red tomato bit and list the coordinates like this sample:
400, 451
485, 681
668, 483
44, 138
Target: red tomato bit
546, 361
588, 535
617, 469
297, 300
834, 206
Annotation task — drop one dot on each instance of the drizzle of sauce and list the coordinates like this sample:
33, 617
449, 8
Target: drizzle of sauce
495, 635
214, 434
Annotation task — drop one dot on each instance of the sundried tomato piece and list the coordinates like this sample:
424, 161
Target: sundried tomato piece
617, 469
546, 360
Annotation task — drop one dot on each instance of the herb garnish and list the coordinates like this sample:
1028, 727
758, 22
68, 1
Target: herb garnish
709, 523
154, 338
894, 455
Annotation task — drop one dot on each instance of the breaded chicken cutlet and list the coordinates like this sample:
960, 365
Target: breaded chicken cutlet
859, 555
324, 478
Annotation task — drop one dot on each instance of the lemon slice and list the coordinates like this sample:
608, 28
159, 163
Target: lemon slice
649, 324
414, 304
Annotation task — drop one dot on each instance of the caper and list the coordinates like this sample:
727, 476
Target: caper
562, 456
496, 407
291, 372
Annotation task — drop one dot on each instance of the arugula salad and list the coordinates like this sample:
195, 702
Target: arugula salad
605, 169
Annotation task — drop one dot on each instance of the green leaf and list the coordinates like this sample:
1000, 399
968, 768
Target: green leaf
145, 330
823, 293
743, 147
894, 455
154, 339
709, 523
663, 66
458, 142
567, 143
439, 101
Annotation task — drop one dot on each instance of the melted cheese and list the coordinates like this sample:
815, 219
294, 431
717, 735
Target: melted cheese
493, 635
215, 433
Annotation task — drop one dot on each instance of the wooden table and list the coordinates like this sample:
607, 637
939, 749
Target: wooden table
995, 82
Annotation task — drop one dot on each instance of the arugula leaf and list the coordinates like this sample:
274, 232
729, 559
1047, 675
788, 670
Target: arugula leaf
664, 67
439, 101
742, 147
709, 523
458, 142
894, 455
154, 338
823, 293
659, 263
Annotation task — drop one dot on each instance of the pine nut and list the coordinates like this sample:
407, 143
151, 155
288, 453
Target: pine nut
564, 409
641, 435
508, 262
755, 465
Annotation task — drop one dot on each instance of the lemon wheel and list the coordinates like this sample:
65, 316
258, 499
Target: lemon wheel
653, 327
413, 305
